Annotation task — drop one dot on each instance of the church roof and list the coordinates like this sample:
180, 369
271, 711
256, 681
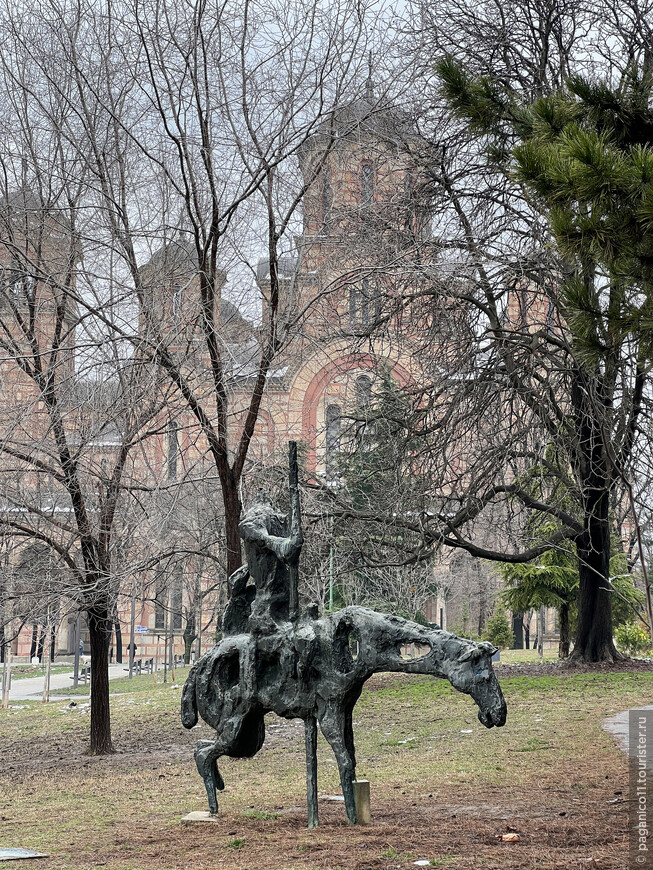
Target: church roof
26, 203
177, 261
287, 266
367, 117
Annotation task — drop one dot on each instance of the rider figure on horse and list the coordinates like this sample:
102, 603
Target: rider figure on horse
272, 549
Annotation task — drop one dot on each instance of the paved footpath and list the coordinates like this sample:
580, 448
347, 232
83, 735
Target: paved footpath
31, 688
617, 726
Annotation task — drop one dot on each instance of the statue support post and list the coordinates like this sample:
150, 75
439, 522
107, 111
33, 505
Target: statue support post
310, 729
295, 530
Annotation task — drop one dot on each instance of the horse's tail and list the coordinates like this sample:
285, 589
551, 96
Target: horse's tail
189, 701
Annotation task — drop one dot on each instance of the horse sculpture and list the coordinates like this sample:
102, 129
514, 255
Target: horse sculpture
273, 659
307, 671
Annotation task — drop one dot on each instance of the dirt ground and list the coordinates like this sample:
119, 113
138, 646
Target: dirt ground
451, 827
461, 834
566, 815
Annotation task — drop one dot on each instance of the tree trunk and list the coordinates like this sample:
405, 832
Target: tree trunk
40, 644
563, 645
541, 628
594, 641
481, 602
231, 519
189, 635
99, 624
118, 631
34, 644
518, 630
188, 643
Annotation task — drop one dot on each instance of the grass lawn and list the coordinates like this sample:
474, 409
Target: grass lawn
443, 787
138, 683
526, 656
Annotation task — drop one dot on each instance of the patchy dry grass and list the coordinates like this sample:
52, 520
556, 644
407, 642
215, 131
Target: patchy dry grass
442, 785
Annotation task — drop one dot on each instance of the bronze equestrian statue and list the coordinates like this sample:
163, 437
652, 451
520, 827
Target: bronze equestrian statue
271, 659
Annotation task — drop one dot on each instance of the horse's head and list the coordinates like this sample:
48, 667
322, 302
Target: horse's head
470, 671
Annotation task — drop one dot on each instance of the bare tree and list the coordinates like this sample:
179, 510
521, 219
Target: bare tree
215, 109
159, 143
519, 393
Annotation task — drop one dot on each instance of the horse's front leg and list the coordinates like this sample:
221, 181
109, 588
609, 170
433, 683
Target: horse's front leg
349, 736
207, 753
333, 724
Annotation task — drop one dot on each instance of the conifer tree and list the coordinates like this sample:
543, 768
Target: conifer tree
584, 157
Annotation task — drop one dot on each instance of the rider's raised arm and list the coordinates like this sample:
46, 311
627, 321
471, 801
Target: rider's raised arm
286, 549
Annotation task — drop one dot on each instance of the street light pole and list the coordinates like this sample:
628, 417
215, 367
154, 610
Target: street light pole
331, 579
48, 633
6, 676
165, 647
131, 633
199, 628
77, 639
331, 569
172, 636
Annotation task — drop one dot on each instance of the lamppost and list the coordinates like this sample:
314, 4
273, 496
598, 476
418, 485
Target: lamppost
132, 648
6, 673
78, 633
47, 651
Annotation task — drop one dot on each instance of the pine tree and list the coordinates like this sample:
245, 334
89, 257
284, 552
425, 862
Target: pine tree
585, 159
380, 483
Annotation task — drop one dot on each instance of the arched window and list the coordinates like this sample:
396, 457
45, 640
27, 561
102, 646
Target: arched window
354, 302
364, 304
173, 449
364, 318
176, 598
550, 315
523, 307
332, 441
160, 596
363, 391
176, 303
327, 200
20, 286
409, 205
367, 185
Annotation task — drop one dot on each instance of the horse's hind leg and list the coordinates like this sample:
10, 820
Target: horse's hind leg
333, 727
207, 753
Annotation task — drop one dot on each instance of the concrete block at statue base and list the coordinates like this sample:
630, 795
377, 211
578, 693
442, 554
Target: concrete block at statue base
199, 816
362, 801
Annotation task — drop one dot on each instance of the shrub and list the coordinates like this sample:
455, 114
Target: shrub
632, 639
498, 630
462, 631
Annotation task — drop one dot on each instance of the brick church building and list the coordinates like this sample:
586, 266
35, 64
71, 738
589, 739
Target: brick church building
362, 222
361, 217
